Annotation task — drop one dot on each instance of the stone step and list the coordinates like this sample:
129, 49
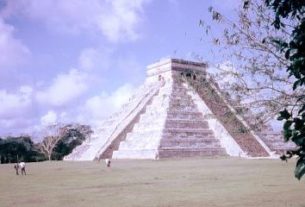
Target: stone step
190, 145
135, 154
179, 90
184, 108
188, 115
178, 99
186, 136
187, 131
155, 109
146, 122
180, 104
181, 98
144, 144
152, 117
178, 86
171, 153
183, 148
139, 135
189, 141
146, 127
183, 123
276, 143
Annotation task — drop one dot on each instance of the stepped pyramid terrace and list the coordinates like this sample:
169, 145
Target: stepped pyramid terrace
178, 112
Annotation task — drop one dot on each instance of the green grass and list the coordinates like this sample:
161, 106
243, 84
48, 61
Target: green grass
186, 182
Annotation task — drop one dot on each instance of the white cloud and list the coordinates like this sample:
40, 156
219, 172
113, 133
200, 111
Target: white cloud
122, 18
92, 58
13, 51
64, 89
99, 107
15, 110
116, 19
59, 98
26, 90
15, 104
49, 118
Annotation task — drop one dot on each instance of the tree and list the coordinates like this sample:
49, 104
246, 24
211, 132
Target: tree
53, 134
14, 149
61, 139
294, 50
255, 76
74, 135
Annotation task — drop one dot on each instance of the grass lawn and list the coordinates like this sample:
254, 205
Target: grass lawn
185, 182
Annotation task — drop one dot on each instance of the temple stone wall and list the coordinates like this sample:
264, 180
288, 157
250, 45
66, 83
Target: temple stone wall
178, 112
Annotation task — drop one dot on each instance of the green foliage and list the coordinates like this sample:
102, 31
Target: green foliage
71, 139
60, 140
294, 50
300, 168
14, 149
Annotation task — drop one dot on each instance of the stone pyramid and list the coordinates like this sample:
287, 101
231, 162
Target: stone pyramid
178, 112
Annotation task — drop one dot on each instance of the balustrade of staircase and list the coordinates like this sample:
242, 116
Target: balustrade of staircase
186, 132
89, 149
144, 139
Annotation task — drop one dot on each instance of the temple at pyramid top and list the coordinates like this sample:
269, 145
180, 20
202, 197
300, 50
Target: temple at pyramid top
179, 111
175, 64
165, 66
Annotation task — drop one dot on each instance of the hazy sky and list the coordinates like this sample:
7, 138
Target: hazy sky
78, 61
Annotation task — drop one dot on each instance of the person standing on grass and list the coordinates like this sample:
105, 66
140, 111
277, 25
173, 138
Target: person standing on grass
22, 167
16, 168
108, 162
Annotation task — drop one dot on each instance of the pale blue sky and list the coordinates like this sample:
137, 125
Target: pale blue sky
78, 61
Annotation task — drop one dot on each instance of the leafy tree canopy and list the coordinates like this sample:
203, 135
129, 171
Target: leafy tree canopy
14, 149
294, 50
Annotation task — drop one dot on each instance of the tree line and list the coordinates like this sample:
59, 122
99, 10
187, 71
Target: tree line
58, 141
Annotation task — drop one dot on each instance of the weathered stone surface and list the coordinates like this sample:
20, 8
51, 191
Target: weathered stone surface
178, 112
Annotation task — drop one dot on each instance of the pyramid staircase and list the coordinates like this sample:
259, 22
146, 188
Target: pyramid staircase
115, 125
186, 132
275, 141
178, 112
176, 129
144, 139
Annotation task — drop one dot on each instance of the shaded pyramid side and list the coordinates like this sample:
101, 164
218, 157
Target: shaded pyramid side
248, 140
275, 141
